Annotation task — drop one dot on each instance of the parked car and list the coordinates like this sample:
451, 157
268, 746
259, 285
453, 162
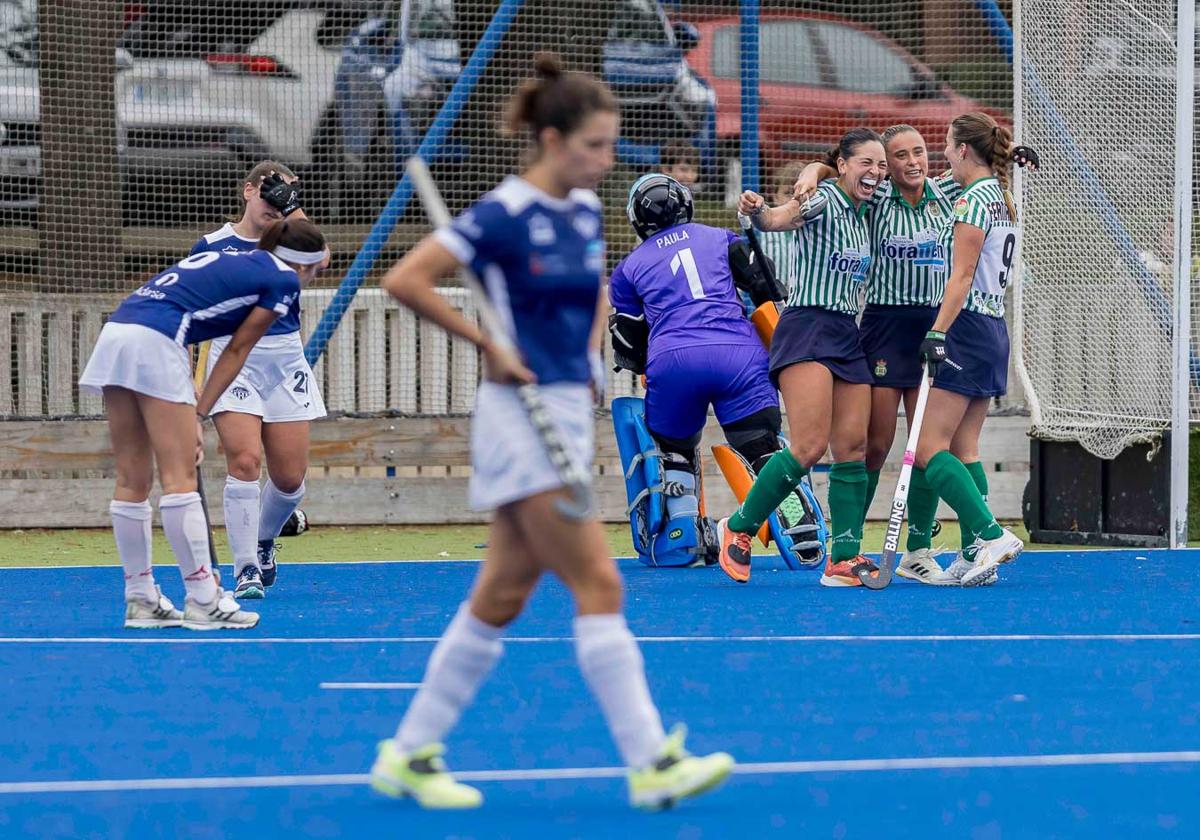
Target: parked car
820, 76
201, 95
400, 63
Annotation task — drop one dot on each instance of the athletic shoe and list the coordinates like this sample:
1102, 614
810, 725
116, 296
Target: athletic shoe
961, 566
676, 774
152, 615
422, 775
267, 549
735, 551
1004, 549
223, 613
296, 525
249, 584
921, 566
842, 573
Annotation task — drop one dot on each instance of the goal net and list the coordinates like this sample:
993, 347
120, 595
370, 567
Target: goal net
1097, 97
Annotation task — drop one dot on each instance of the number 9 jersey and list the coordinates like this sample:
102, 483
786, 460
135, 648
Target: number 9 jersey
983, 205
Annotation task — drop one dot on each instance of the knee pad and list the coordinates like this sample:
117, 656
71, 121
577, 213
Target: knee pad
662, 490
756, 437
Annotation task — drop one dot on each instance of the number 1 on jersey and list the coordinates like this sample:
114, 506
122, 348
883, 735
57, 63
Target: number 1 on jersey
685, 258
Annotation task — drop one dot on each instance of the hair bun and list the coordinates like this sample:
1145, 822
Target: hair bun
547, 66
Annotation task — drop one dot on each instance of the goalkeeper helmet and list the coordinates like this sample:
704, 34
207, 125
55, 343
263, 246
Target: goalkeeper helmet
658, 202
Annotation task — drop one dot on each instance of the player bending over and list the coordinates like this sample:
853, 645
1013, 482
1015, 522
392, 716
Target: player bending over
536, 239
680, 321
271, 402
142, 366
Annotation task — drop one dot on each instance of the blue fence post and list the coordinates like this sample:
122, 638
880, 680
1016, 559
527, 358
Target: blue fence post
748, 38
402, 194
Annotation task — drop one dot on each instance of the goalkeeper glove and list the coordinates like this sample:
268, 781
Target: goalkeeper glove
281, 195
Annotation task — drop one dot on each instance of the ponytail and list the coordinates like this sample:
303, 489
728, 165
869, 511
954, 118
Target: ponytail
993, 144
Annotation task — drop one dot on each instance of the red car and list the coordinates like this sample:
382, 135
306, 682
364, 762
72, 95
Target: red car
820, 76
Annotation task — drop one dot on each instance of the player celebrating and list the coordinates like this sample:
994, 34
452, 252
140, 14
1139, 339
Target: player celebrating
251, 418
677, 308
967, 346
536, 240
818, 362
780, 245
141, 365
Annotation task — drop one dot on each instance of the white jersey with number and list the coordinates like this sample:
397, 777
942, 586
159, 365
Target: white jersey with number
982, 205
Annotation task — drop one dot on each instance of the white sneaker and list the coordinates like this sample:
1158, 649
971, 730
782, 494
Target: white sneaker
223, 613
921, 566
151, 615
1004, 549
961, 565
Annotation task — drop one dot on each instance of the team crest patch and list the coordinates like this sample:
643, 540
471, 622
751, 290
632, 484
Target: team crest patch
881, 368
960, 208
240, 392
935, 209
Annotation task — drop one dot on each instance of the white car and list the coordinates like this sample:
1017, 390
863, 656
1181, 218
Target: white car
20, 144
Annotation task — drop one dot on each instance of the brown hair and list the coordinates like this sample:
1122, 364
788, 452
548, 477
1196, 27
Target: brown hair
555, 98
297, 234
260, 171
677, 152
894, 131
993, 143
848, 145
787, 176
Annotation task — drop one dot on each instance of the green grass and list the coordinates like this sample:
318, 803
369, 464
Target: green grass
94, 546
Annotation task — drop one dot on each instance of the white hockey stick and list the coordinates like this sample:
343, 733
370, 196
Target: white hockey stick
578, 506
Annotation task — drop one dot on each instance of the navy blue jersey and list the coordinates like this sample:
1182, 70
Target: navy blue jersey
208, 295
540, 259
681, 279
226, 240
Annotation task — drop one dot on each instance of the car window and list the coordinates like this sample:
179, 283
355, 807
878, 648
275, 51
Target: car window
639, 20
185, 29
862, 63
786, 54
433, 20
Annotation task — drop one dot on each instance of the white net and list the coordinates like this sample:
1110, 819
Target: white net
127, 126
1098, 91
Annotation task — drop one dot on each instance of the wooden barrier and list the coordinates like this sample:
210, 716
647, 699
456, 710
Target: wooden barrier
58, 473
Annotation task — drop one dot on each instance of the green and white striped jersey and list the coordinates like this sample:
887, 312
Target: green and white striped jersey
780, 247
833, 255
982, 204
909, 263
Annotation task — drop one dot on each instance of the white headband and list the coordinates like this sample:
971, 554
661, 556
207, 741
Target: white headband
298, 257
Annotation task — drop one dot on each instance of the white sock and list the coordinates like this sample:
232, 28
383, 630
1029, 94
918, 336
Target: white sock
614, 670
131, 527
183, 522
460, 661
277, 506
241, 521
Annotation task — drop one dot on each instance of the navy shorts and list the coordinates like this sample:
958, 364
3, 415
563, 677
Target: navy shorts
891, 338
682, 383
812, 334
977, 353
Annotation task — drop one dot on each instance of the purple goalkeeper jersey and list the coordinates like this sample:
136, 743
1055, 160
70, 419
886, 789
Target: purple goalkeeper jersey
681, 280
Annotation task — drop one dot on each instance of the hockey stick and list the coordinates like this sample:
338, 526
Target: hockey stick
578, 505
891, 539
198, 381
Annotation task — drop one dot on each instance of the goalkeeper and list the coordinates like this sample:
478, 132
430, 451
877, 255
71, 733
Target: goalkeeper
680, 321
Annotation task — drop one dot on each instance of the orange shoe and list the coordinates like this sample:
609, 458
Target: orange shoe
735, 551
845, 572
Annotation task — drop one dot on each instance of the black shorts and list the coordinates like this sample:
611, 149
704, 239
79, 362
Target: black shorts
977, 353
813, 334
891, 338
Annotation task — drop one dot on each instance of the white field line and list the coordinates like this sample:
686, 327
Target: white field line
369, 686
770, 768
196, 639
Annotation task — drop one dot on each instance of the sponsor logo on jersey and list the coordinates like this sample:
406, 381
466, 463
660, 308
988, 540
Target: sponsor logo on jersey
239, 392
852, 263
541, 230
587, 225
903, 249
146, 291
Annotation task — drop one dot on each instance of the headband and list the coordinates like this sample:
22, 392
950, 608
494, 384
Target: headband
298, 257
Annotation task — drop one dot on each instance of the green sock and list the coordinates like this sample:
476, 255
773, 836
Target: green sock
953, 482
975, 468
778, 477
847, 489
872, 483
922, 508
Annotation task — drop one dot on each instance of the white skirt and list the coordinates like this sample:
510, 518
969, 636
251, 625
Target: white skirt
508, 461
276, 383
142, 360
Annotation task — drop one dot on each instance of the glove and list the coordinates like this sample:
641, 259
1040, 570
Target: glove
1026, 158
814, 207
933, 351
281, 195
